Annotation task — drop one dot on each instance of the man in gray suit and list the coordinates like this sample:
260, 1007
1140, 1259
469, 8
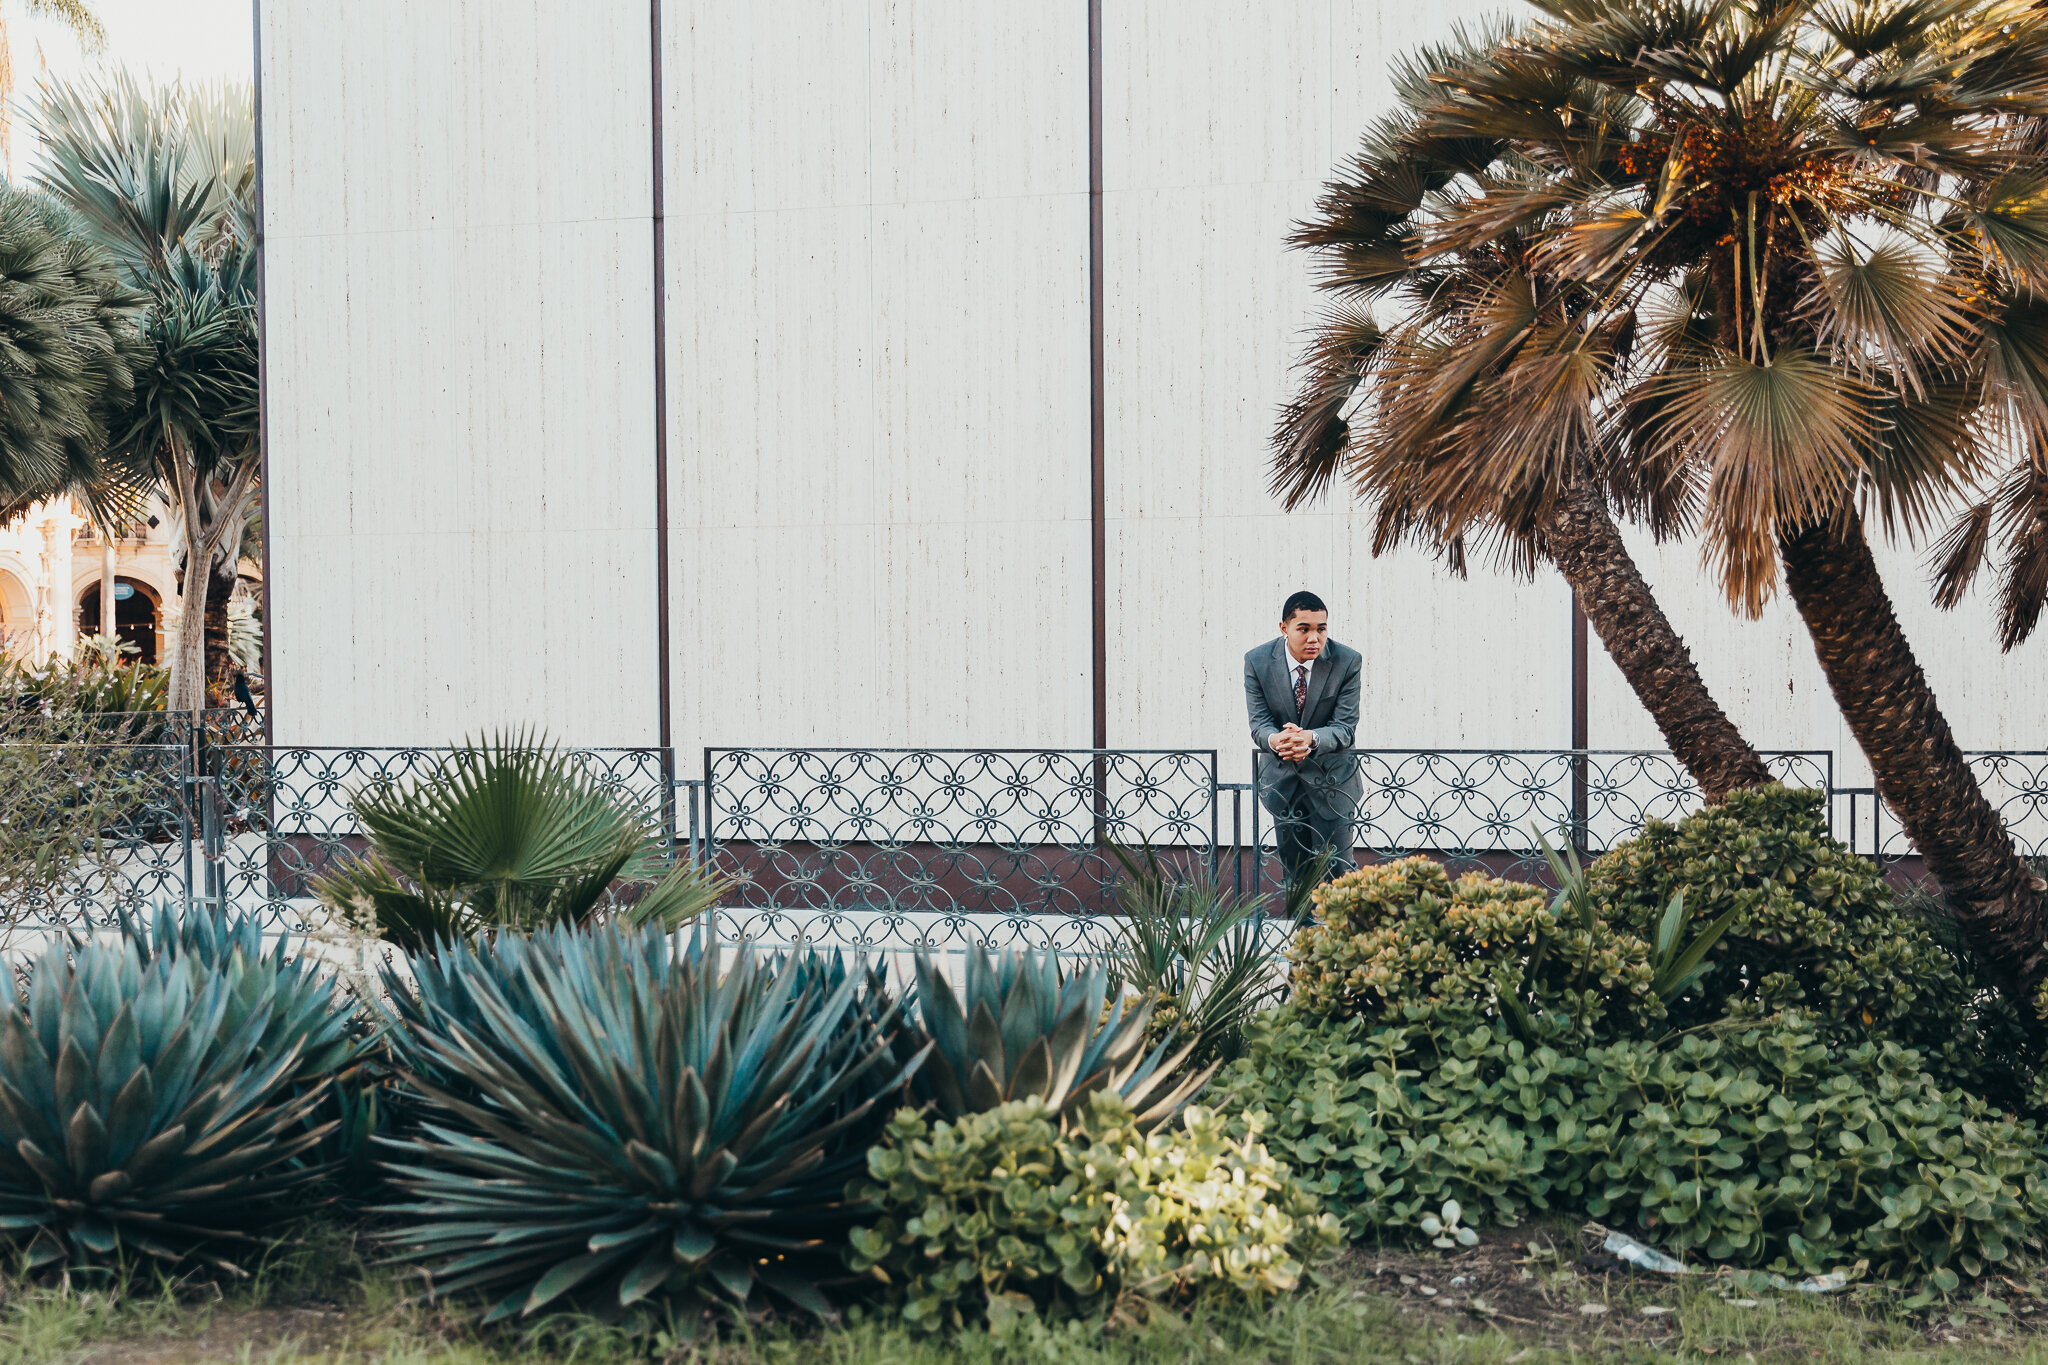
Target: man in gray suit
1302, 692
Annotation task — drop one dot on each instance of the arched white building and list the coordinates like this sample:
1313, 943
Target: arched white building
886, 373
52, 564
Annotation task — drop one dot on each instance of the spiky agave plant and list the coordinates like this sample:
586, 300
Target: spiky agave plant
1024, 1027
156, 1103
509, 833
349, 1075
610, 1116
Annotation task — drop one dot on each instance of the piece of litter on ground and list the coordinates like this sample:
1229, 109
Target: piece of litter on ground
1427, 1290
1653, 1310
1592, 1310
1407, 1279
1741, 1303
1459, 1281
1627, 1249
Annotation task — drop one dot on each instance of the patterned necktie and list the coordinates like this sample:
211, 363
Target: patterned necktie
1301, 691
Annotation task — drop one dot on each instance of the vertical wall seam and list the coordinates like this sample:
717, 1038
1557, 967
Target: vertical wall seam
263, 380
1098, 539
661, 627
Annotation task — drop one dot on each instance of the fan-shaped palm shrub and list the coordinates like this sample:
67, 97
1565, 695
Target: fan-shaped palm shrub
609, 1116
512, 833
1024, 1028
154, 1096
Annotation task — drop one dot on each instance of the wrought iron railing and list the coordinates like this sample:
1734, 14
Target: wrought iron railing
89, 829
1482, 809
895, 849
274, 820
904, 848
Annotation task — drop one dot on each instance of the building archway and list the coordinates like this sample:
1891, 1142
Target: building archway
136, 615
17, 614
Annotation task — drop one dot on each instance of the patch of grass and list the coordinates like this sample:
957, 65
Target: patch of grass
321, 1301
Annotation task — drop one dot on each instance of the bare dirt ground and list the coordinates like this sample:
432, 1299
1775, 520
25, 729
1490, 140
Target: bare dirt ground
1554, 1286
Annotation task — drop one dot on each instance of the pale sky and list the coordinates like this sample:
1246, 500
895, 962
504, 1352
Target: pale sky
198, 39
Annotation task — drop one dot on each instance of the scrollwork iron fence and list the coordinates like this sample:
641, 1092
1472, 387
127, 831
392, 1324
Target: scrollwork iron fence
894, 849
90, 829
1482, 809
276, 819
904, 848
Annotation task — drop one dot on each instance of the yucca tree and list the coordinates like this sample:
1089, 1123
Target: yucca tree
1761, 268
164, 181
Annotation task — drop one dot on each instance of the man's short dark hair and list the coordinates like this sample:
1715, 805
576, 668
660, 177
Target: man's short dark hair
1301, 601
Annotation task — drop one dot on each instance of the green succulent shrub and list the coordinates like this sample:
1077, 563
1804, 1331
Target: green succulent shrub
1387, 1123
515, 834
1025, 1027
1759, 1147
1018, 1212
157, 1100
607, 1117
1404, 941
1814, 927
1196, 951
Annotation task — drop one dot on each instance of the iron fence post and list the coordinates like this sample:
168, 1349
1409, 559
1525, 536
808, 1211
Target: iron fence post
1214, 796
1258, 833
210, 825
188, 792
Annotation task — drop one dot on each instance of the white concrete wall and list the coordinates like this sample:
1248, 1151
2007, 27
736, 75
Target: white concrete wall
1221, 122
459, 311
878, 299
877, 303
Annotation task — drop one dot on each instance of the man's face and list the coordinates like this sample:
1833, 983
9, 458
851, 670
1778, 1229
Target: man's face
1305, 633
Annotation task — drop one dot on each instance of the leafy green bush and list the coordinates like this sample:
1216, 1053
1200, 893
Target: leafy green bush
609, 1116
156, 1103
1815, 927
509, 834
1402, 940
1767, 1148
1385, 1124
1012, 1212
1761, 1147
1025, 1027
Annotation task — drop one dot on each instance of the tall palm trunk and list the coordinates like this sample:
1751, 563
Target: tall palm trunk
1921, 772
1588, 550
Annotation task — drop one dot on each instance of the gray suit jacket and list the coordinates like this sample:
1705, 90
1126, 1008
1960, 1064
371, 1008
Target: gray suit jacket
1327, 781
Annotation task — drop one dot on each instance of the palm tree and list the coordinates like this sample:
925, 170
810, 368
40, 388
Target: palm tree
69, 339
1773, 251
164, 180
1381, 380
